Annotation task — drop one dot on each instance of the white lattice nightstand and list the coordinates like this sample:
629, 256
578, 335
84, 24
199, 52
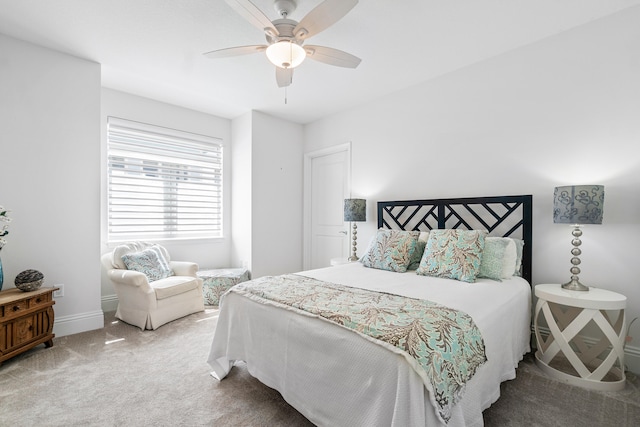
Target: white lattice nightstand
566, 313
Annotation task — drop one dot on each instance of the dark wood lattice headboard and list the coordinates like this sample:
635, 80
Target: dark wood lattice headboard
505, 216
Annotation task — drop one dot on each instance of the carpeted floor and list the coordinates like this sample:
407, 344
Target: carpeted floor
121, 376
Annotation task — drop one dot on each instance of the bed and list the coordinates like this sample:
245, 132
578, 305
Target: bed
339, 374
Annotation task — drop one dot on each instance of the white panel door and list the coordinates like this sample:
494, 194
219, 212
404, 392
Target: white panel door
329, 180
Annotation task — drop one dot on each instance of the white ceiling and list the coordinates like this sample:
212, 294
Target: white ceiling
154, 48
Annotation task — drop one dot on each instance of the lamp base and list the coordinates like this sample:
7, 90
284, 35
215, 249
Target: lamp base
575, 285
354, 233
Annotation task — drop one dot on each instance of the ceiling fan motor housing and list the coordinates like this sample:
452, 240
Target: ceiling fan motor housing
285, 29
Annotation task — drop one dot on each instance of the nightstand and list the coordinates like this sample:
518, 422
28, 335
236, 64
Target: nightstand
589, 363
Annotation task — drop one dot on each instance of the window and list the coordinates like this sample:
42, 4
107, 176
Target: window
162, 183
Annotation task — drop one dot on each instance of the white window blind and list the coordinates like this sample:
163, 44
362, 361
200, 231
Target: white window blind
162, 183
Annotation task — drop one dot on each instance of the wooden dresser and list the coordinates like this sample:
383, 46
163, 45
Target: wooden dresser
26, 320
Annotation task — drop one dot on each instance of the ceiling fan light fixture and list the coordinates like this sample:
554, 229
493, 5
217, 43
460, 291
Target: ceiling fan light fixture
285, 54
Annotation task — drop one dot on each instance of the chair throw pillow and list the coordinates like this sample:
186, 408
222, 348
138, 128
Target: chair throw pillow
150, 261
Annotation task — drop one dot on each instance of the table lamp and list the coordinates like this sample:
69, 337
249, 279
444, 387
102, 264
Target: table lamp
355, 210
577, 205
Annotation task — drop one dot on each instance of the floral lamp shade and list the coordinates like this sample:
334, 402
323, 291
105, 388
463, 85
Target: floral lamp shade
578, 204
355, 210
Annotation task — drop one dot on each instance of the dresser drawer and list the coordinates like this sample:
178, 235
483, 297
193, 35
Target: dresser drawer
38, 300
15, 307
14, 302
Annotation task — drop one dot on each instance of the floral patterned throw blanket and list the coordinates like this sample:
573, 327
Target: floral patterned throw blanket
443, 345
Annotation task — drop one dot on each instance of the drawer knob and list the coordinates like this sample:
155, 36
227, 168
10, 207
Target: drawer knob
38, 300
16, 308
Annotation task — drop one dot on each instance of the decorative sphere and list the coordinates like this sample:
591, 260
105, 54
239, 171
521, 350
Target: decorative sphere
575, 261
575, 270
29, 280
577, 232
576, 251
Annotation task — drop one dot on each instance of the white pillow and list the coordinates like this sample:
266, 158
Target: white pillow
519, 248
510, 259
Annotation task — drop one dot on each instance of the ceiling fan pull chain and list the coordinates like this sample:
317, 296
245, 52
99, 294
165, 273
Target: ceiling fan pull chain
285, 95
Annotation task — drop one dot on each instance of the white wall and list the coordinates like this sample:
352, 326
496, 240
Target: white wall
49, 152
267, 194
208, 253
241, 195
561, 111
277, 183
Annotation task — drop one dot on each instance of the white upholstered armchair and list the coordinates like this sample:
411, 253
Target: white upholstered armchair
152, 290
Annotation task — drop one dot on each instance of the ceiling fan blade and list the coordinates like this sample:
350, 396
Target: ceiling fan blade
251, 13
284, 76
235, 51
332, 56
322, 17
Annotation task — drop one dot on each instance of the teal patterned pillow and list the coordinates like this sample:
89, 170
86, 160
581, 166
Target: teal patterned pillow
150, 261
493, 255
391, 250
453, 254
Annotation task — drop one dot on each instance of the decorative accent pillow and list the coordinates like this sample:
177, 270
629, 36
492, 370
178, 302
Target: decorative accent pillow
417, 254
498, 258
453, 254
150, 261
519, 247
391, 250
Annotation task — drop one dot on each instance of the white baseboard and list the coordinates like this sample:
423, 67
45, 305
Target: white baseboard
83, 322
109, 302
69, 325
631, 353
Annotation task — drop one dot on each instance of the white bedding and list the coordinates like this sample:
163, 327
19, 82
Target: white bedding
335, 377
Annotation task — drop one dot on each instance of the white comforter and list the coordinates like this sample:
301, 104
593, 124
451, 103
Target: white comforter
335, 377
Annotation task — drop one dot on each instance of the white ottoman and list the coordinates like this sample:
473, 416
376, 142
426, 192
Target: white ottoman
218, 281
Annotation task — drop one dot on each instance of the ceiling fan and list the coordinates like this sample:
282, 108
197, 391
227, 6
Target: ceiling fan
285, 37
